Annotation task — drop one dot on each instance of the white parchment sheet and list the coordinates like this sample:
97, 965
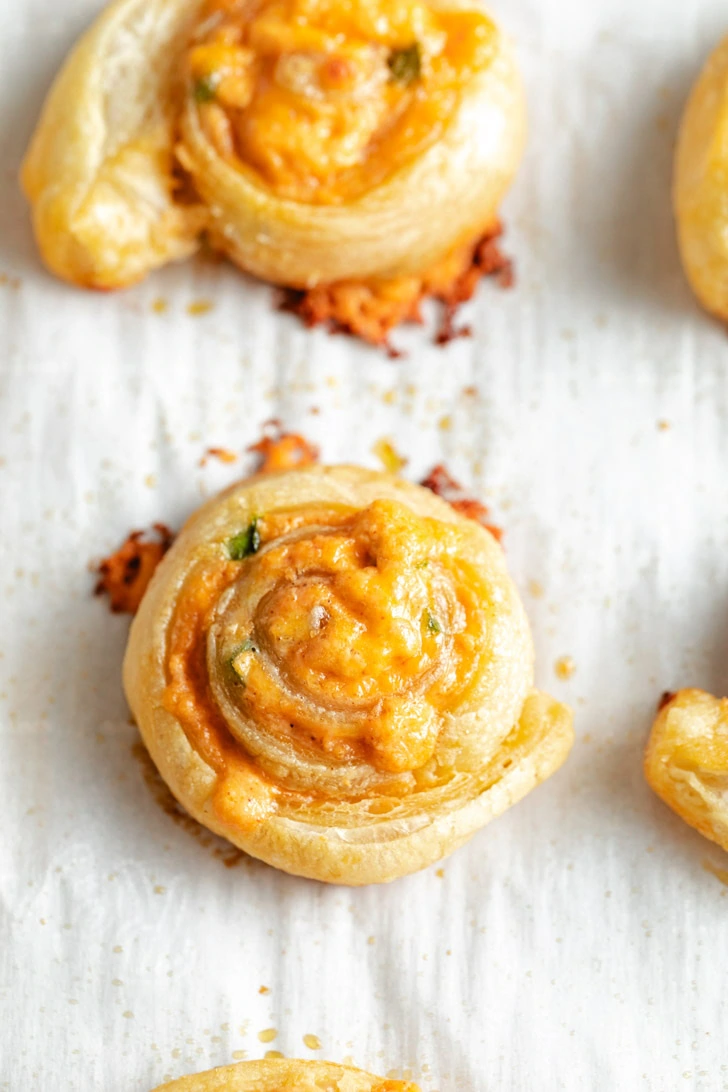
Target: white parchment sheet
577, 943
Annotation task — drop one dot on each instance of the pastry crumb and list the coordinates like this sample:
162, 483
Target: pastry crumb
200, 307
389, 457
312, 1042
221, 453
565, 667
264, 989
160, 305
267, 1035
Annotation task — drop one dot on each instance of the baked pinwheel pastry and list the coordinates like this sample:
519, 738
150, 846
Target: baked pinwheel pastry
358, 147
700, 191
286, 1075
686, 762
332, 669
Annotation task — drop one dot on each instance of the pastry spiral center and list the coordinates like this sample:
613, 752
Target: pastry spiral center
350, 637
323, 99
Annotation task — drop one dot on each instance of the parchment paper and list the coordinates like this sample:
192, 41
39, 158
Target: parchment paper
577, 943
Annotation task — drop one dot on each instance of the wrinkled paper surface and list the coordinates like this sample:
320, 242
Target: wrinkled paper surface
580, 942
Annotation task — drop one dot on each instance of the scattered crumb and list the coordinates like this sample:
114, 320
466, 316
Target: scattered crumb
159, 890
200, 307
390, 459
312, 1042
267, 1035
283, 450
264, 989
371, 940
274, 1054
445, 423
221, 453
125, 575
440, 872
128, 1015
663, 426
565, 667
535, 589
150, 481
160, 305
389, 397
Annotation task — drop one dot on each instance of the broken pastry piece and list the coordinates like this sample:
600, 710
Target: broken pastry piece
332, 669
700, 188
286, 1075
355, 152
686, 761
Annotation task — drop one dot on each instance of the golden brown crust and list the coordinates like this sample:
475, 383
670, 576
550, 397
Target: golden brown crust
384, 786
286, 1075
686, 761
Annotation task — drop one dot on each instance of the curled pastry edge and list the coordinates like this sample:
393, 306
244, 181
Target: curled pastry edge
446, 196
270, 1075
99, 171
684, 790
545, 737
701, 162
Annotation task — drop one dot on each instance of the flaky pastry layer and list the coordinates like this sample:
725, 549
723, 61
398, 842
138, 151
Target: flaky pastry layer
686, 761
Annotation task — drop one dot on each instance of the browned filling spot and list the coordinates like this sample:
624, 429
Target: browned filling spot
125, 575
441, 482
370, 310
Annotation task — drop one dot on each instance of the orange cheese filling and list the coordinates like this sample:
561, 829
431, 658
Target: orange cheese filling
320, 100
344, 634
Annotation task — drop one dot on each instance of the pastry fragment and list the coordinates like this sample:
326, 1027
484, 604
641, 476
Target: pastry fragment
700, 190
286, 1075
332, 669
355, 152
686, 761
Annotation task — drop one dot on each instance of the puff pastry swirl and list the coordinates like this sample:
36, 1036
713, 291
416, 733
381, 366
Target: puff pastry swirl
686, 761
286, 1075
331, 667
313, 140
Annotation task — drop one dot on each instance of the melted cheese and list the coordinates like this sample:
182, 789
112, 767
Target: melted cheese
308, 96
